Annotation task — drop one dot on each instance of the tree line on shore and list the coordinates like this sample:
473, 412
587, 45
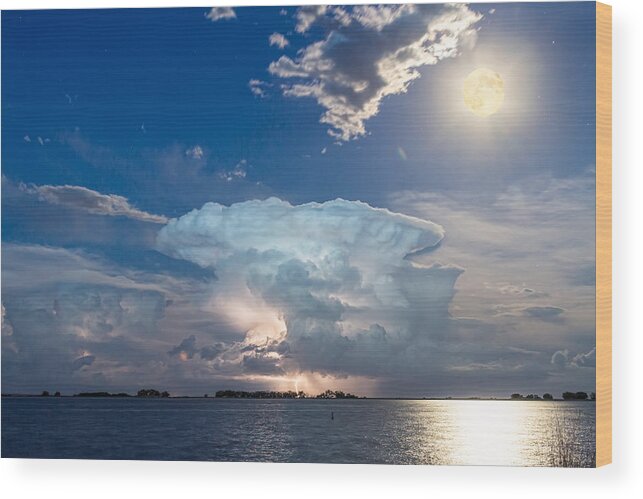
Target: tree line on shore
290, 394
144, 393
152, 393
549, 396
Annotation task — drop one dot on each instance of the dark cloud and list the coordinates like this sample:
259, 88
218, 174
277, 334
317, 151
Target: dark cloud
186, 349
262, 364
211, 352
546, 313
85, 360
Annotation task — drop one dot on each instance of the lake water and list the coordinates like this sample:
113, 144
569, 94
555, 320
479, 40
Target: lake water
362, 431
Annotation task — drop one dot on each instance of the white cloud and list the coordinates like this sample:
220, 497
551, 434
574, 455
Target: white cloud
327, 283
258, 87
379, 16
195, 152
561, 359
587, 359
310, 231
330, 16
7, 329
390, 52
515, 290
237, 173
82, 198
221, 13
307, 15
8, 342
279, 40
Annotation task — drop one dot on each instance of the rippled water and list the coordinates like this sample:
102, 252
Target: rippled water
362, 431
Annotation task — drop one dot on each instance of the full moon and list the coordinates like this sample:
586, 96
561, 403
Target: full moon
484, 92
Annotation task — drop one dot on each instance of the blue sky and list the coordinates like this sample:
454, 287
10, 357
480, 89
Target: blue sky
116, 123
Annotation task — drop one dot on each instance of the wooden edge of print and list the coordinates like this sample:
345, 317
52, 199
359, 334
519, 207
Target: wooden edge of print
603, 234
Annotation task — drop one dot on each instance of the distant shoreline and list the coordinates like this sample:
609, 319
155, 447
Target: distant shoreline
195, 397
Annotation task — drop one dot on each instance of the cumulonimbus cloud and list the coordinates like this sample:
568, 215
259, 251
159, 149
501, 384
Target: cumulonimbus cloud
311, 231
322, 284
391, 43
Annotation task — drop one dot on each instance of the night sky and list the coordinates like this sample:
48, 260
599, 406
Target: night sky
285, 198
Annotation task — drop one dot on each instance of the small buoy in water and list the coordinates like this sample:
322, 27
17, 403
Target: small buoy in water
332, 415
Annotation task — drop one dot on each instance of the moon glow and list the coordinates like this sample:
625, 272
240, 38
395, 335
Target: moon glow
484, 92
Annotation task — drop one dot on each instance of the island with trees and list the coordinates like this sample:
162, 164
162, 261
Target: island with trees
328, 394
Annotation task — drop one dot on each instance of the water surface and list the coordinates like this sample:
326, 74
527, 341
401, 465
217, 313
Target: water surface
360, 431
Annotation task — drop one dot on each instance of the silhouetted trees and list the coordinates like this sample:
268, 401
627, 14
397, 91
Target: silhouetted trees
238, 394
531, 396
549, 396
101, 394
575, 396
44, 393
152, 393
338, 394
144, 393
328, 394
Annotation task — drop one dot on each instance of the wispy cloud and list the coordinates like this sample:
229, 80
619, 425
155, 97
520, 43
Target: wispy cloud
561, 359
82, 198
